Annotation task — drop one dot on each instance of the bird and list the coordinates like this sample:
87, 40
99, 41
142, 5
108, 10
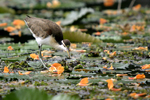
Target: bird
47, 32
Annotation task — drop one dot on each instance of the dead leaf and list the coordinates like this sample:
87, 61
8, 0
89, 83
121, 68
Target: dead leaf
110, 84
108, 3
18, 22
83, 82
34, 56
10, 48
3, 24
6, 70
140, 76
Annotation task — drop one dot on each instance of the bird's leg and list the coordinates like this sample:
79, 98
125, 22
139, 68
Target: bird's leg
40, 57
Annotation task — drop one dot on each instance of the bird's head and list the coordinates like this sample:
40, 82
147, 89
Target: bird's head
66, 44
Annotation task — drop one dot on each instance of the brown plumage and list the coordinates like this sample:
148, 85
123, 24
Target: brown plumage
44, 27
47, 32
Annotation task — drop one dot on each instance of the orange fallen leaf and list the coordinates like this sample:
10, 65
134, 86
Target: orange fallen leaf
27, 73
105, 67
10, 48
3, 24
18, 22
6, 70
20, 73
108, 3
137, 7
83, 82
34, 56
56, 68
87, 43
102, 21
9, 29
121, 75
111, 67
112, 54
55, 3
107, 51
48, 4
114, 89
141, 48
146, 66
60, 70
135, 95
108, 99
98, 33
125, 33
73, 45
131, 78
140, 76
56, 65
110, 84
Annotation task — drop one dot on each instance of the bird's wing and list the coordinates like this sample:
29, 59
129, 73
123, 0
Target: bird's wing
44, 27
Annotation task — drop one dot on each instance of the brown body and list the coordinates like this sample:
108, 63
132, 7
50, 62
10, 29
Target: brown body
44, 28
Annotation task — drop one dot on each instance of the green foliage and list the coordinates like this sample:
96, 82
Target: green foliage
80, 37
6, 10
36, 94
28, 94
75, 16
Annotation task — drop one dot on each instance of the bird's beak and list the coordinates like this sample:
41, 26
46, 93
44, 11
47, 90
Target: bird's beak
68, 51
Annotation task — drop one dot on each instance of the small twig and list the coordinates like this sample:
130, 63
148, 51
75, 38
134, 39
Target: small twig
131, 4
